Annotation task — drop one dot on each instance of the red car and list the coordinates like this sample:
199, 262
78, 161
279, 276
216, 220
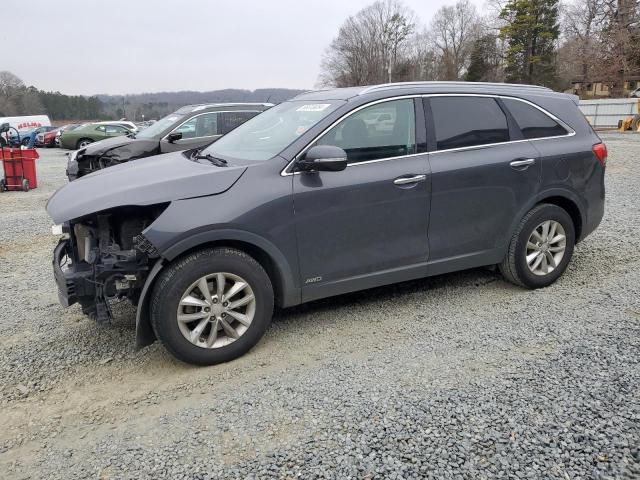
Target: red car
47, 139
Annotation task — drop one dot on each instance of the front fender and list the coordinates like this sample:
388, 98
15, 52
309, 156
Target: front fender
290, 294
144, 332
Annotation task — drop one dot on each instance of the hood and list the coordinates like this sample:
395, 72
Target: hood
148, 181
99, 148
121, 149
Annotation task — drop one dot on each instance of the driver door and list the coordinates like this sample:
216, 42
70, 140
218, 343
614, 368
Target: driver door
366, 225
196, 132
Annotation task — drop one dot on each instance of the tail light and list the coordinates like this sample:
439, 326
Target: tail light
600, 151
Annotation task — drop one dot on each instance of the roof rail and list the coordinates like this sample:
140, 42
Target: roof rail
388, 86
228, 104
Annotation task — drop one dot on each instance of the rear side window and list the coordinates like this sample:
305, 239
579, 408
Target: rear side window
532, 122
227, 121
468, 121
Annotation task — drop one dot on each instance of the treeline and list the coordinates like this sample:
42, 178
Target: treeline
18, 99
544, 42
65, 107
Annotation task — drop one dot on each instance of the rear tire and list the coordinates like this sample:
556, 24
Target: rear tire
177, 292
535, 259
25, 185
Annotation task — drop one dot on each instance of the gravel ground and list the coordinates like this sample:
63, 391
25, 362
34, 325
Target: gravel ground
458, 376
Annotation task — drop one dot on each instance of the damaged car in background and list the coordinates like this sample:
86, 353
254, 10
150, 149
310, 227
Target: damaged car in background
192, 126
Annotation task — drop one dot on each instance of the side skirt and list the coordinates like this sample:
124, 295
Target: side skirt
403, 274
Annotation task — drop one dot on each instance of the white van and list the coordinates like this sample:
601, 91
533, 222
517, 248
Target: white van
26, 123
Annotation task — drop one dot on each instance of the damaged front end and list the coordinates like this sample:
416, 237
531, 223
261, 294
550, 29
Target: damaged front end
108, 153
103, 258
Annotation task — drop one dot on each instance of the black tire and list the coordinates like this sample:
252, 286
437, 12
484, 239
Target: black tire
3, 142
3, 186
174, 281
25, 185
79, 143
514, 267
24, 142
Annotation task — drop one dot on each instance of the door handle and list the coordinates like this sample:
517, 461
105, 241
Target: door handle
408, 180
523, 163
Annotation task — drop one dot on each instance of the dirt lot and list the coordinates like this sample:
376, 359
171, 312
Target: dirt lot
459, 376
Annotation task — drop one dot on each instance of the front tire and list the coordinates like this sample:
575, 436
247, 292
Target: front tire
211, 306
540, 248
83, 142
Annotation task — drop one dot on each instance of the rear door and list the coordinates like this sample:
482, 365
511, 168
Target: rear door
483, 173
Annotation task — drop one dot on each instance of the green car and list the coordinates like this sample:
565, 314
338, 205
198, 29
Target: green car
92, 132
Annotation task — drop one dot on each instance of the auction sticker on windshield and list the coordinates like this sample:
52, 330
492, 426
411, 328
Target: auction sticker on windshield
313, 107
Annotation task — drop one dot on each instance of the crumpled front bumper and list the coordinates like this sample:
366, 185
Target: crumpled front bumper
72, 282
72, 166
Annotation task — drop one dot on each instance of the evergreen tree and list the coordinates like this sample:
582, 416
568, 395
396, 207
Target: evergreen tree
531, 34
484, 60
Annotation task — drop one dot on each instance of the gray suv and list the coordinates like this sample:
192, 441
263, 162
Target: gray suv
331, 192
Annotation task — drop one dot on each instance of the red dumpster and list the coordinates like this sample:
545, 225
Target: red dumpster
19, 168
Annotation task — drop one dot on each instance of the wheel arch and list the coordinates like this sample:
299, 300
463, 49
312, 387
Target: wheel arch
286, 292
571, 208
563, 198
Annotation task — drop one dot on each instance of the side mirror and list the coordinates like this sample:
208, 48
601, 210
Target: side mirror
4, 128
174, 137
323, 158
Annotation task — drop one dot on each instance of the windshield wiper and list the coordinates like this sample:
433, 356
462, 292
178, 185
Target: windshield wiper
218, 162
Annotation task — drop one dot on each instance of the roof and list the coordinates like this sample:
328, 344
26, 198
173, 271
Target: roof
206, 106
421, 87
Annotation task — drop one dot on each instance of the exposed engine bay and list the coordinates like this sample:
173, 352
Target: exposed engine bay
105, 257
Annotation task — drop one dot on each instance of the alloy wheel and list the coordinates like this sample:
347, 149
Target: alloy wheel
216, 310
545, 247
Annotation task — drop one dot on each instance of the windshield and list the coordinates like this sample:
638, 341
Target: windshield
160, 126
267, 134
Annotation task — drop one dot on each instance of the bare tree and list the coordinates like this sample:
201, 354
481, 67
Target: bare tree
16, 98
10, 90
582, 21
454, 28
395, 33
368, 46
425, 57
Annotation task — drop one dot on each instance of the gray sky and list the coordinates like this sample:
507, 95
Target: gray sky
129, 46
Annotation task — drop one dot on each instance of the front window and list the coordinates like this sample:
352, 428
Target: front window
115, 130
267, 134
383, 130
155, 130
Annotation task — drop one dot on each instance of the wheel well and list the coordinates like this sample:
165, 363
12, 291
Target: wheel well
262, 257
572, 209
